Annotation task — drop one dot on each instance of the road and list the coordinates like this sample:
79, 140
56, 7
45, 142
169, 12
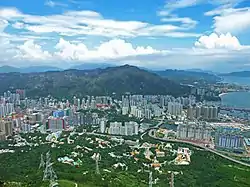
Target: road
154, 127
200, 146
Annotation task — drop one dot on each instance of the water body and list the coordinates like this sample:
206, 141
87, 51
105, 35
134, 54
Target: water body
244, 81
236, 99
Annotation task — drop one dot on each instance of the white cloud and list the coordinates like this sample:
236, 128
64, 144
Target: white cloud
235, 21
205, 54
18, 25
3, 24
208, 51
75, 52
78, 23
31, 51
54, 3
167, 12
228, 18
70, 51
172, 5
186, 21
113, 49
87, 13
215, 41
9, 13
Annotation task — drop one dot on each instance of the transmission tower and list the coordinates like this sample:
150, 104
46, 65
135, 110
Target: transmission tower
49, 173
172, 179
150, 179
97, 158
42, 163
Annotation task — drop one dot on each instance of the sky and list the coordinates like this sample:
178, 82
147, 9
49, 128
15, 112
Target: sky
157, 34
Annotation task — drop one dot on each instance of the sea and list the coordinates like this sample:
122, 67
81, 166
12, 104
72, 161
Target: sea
244, 81
236, 99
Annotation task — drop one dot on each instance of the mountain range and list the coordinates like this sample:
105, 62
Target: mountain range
85, 66
30, 69
69, 83
237, 74
184, 76
189, 76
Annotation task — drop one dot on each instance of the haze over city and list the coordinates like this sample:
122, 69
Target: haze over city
182, 34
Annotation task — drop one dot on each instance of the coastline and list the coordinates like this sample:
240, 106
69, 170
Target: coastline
223, 94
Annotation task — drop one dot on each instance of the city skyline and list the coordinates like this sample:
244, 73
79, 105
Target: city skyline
158, 34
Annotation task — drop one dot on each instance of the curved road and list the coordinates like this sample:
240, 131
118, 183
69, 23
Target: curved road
200, 146
154, 127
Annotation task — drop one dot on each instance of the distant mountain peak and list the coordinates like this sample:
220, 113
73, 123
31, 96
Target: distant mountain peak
30, 69
237, 74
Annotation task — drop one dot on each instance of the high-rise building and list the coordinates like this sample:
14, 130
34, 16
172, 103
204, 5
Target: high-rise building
2, 136
229, 138
6, 127
205, 112
21, 92
175, 108
6, 109
198, 112
215, 112
147, 114
229, 141
58, 113
25, 128
210, 111
128, 129
192, 131
115, 127
190, 112
78, 104
56, 124
125, 110
102, 126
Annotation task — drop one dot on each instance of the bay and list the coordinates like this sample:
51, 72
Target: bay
236, 99
244, 81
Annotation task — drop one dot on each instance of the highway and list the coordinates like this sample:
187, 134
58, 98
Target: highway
151, 129
154, 127
200, 146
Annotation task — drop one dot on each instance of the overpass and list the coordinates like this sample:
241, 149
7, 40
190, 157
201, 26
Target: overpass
154, 127
200, 146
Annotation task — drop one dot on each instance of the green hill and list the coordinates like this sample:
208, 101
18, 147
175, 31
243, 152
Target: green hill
107, 81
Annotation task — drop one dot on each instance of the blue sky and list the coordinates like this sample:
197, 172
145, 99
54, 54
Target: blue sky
159, 34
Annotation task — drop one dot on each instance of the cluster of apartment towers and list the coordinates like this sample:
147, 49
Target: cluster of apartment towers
128, 129
194, 131
202, 112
